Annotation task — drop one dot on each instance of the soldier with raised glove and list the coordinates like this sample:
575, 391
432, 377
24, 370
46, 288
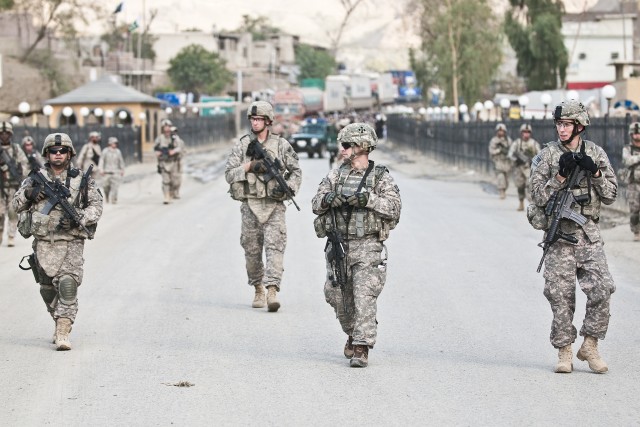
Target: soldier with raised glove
583, 259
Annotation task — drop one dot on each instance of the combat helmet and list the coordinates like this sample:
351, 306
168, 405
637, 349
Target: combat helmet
261, 108
360, 134
58, 140
501, 126
572, 110
634, 128
525, 127
6, 127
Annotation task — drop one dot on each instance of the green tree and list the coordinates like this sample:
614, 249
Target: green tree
195, 69
116, 39
461, 44
259, 27
313, 63
6, 4
534, 30
426, 74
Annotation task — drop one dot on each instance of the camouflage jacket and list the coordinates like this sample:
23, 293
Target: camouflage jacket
45, 226
631, 160
21, 162
543, 184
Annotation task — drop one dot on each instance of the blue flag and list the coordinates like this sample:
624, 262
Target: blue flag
119, 8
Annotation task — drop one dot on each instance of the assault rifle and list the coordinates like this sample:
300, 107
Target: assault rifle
273, 169
11, 164
336, 257
559, 207
520, 156
57, 194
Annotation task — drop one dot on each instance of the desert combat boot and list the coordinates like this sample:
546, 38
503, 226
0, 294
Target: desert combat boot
260, 299
63, 328
272, 299
565, 360
589, 352
360, 357
348, 348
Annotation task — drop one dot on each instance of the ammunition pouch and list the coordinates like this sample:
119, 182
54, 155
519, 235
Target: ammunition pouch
39, 224
537, 217
236, 191
24, 224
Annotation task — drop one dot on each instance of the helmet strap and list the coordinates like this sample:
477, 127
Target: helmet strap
575, 132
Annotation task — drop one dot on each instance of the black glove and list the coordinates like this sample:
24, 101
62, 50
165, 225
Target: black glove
359, 199
257, 166
34, 193
67, 223
278, 193
566, 164
588, 164
334, 200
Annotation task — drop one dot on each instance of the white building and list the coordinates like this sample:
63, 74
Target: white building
596, 38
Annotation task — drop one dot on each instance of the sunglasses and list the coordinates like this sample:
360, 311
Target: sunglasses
346, 145
61, 150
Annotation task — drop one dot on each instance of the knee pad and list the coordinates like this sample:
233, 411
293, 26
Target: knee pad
635, 218
48, 294
67, 290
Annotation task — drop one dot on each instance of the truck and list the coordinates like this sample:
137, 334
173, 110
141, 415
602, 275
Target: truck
360, 97
383, 89
295, 104
347, 92
315, 136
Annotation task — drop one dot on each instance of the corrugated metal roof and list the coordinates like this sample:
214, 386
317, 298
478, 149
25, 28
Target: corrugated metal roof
101, 91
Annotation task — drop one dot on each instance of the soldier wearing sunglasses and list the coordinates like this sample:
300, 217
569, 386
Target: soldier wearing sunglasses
58, 244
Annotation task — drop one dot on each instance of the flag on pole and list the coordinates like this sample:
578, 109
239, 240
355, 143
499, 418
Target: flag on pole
119, 8
134, 26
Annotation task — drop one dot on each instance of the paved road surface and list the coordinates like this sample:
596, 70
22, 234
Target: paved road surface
463, 334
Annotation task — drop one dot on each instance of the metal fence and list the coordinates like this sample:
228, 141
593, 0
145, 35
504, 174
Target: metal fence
195, 131
467, 144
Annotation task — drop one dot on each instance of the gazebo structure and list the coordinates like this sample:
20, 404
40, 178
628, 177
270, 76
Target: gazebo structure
106, 102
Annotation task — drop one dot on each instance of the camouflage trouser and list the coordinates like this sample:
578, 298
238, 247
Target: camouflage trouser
587, 262
171, 176
633, 196
110, 185
520, 178
356, 307
53, 262
502, 167
272, 236
6, 210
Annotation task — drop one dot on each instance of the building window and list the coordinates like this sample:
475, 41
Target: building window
582, 55
244, 52
614, 55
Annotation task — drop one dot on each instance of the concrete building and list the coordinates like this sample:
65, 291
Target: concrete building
603, 34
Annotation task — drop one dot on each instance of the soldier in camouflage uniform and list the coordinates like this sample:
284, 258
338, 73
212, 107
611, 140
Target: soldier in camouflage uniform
33, 156
111, 167
169, 149
358, 202
90, 154
58, 242
521, 152
263, 209
13, 165
499, 150
631, 161
584, 260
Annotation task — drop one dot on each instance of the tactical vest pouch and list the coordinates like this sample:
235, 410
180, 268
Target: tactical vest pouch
236, 191
623, 175
319, 225
537, 217
24, 224
40, 224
